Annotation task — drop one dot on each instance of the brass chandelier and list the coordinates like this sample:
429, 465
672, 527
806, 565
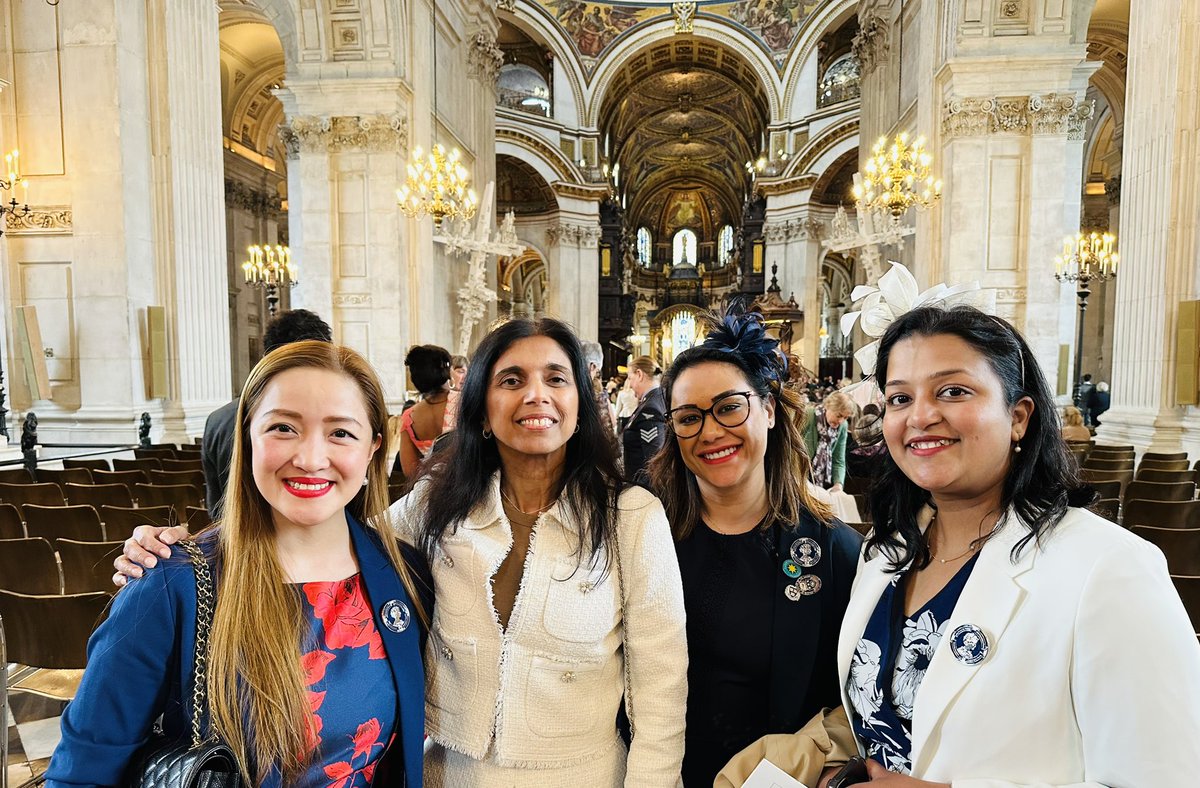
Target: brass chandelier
437, 185
269, 268
897, 177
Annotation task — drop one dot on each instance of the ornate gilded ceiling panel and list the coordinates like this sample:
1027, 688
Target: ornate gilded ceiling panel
520, 189
594, 27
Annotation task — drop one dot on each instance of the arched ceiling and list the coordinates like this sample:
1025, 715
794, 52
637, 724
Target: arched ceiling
520, 189
593, 27
684, 114
252, 67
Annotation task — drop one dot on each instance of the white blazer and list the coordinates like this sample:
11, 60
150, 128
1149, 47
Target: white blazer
544, 693
1093, 673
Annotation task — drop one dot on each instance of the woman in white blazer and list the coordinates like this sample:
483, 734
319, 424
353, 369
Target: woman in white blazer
557, 588
998, 635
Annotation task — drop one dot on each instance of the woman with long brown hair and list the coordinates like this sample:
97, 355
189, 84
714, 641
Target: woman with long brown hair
314, 660
766, 569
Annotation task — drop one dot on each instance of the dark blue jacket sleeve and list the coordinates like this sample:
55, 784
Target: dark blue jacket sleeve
133, 661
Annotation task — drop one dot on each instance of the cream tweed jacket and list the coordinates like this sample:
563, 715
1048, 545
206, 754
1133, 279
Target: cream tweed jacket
545, 692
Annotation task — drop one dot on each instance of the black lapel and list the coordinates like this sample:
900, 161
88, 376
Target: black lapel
797, 631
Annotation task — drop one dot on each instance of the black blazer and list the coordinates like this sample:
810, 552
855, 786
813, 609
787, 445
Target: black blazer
216, 452
804, 675
644, 434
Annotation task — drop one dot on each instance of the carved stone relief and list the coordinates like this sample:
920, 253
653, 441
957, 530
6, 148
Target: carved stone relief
375, 133
870, 44
50, 220
575, 234
1052, 113
485, 58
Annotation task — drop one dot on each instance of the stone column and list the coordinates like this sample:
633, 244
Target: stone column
1160, 227
346, 234
190, 209
793, 241
574, 276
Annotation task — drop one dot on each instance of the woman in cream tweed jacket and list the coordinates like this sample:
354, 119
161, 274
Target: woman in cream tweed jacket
529, 697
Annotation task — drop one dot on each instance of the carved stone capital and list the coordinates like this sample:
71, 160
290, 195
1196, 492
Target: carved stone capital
806, 229
870, 44
1050, 113
574, 234
47, 220
506, 5
485, 58
258, 202
322, 134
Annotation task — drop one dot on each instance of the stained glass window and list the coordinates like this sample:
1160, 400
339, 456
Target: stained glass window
643, 247
725, 245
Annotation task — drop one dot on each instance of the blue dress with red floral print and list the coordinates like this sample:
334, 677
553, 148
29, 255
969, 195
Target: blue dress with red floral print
350, 686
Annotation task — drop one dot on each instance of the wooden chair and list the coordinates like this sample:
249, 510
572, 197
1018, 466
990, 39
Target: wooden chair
183, 465
91, 465
1114, 448
181, 496
1108, 508
98, 495
127, 477
72, 475
15, 476
28, 566
1121, 477
119, 521
38, 494
1189, 593
1166, 476
80, 523
1165, 455
87, 566
159, 454
50, 633
1163, 465
194, 478
1181, 546
186, 449
1162, 514
1091, 463
1160, 491
197, 518
171, 446
11, 524
137, 465
1107, 489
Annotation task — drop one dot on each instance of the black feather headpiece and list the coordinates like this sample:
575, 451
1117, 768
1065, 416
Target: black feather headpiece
746, 335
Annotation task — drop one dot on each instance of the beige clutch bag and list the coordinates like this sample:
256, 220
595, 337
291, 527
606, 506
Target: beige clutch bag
825, 741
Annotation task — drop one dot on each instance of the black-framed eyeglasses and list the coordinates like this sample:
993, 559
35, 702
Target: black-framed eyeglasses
731, 410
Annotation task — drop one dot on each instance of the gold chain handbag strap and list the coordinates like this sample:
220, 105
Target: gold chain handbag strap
624, 631
205, 603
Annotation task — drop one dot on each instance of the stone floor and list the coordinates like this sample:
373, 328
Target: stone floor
32, 736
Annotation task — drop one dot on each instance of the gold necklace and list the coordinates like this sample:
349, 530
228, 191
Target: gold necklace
974, 546
513, 504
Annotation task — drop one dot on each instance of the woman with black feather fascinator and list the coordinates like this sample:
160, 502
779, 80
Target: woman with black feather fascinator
766, 569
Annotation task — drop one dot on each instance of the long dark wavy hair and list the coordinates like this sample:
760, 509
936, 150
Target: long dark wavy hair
460, 476
741, 341
1042, 480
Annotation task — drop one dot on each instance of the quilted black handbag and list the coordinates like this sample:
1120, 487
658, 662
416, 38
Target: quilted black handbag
200, 762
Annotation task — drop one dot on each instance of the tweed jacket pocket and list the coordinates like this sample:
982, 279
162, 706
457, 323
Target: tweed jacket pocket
567, 697
457, 572
452, 665
581, 602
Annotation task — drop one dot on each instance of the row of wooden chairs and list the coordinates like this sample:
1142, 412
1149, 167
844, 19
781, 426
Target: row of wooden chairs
143, 464
65, 566
178, 495
90, 476
91, 524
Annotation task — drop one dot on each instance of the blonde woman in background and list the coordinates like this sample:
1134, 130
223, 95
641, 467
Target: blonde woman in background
1073, 429
825, 440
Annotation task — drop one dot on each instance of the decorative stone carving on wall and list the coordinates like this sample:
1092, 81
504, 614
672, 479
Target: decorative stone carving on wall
576, 234
259, 202
48, 220
485, 58
805, 229
1051, 113
323, 134
1112, 190
351, 299
506, 5
1010, 295
870, 44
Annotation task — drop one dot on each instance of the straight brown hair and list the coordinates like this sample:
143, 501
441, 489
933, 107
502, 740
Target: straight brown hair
257, 694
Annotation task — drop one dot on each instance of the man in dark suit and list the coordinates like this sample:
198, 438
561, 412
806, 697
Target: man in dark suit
216, 448
646, 429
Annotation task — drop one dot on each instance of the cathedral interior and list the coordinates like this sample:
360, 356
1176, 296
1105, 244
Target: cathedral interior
180, 171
